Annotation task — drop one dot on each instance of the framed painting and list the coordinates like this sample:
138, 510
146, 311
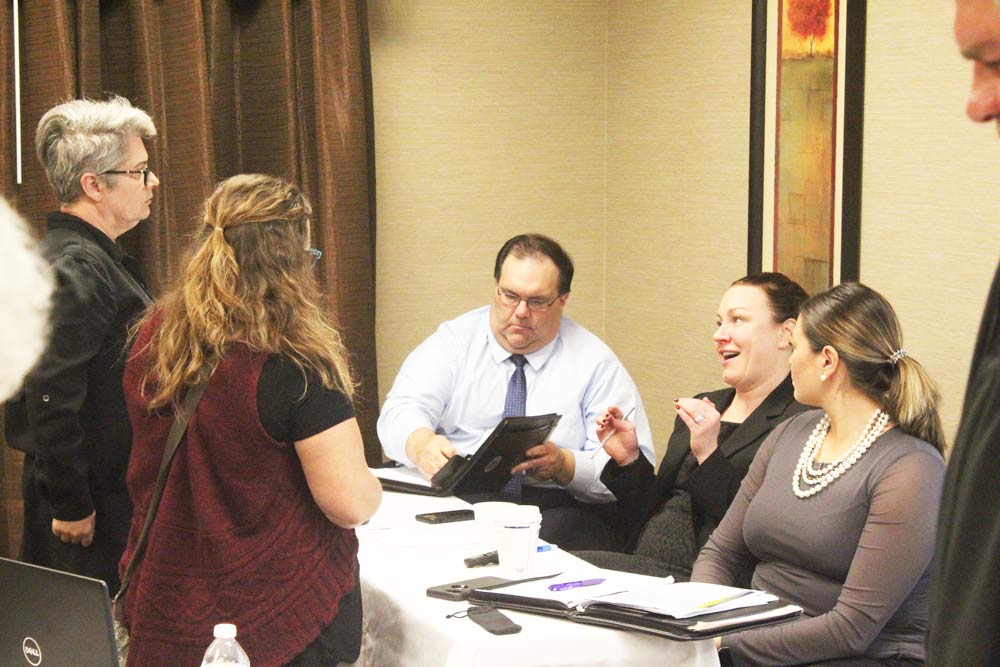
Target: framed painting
806, 122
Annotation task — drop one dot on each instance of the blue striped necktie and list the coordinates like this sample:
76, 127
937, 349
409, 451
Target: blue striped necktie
514, 406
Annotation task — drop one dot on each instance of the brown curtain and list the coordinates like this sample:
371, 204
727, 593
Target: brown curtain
272, 86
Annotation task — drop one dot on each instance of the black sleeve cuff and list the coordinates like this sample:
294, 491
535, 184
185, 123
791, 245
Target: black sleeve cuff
64, 486
713, 485
615, 475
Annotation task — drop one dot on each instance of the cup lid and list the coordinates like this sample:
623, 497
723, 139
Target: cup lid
521, 514
492, 506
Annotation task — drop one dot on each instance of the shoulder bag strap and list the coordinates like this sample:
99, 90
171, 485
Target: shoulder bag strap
177, 430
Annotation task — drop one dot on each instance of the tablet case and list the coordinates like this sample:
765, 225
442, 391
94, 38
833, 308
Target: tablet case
460, 590
661, 625
488, 470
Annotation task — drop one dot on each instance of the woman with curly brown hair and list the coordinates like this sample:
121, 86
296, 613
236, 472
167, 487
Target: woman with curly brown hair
255, 525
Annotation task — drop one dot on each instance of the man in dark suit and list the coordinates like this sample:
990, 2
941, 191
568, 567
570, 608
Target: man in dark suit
965, 592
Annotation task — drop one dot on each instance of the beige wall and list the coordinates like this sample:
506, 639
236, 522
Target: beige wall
620, 128
677, 190
930, 232
489, 122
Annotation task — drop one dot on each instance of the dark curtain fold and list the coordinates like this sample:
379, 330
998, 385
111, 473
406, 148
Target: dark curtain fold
273, 86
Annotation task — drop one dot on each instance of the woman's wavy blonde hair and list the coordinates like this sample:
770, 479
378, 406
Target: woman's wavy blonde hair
247, 280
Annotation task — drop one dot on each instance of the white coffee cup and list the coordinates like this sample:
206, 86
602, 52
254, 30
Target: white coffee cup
488, 516
518, 538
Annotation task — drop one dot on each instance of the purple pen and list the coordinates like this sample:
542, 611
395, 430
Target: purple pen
575, 584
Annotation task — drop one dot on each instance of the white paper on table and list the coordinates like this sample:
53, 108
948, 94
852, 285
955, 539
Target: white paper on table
689, 599
778, 612
399, 510
424, 536
402, 474
636, 591
614, 583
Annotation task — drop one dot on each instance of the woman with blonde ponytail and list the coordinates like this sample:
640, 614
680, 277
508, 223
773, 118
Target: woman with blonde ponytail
256, 521
839, 509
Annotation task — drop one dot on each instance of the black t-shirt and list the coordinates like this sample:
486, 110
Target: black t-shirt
294, 406
287, 414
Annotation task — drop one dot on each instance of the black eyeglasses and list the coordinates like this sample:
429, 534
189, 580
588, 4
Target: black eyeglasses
144, 172
535, 304
316, 255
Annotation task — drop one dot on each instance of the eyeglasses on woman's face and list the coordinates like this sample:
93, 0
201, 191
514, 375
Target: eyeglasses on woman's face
145, 173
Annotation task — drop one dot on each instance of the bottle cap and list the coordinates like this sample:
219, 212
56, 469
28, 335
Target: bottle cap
225, 631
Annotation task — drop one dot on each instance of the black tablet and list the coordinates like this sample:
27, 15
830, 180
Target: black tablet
488, 470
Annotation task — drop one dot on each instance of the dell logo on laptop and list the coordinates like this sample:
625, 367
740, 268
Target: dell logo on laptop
32, 653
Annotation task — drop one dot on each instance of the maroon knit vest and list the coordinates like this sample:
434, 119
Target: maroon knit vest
238, 537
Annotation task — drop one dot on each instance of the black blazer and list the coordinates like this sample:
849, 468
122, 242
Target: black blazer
714, 483
965, 590
70, 415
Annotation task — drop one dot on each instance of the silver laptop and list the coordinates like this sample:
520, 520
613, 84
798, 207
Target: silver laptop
53, 619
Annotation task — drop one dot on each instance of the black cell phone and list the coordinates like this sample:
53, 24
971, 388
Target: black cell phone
460, 590
446, 517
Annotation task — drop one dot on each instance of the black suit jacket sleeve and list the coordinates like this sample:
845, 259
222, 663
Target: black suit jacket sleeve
83, 310
632, 486
965, 589
70, 416
714, 484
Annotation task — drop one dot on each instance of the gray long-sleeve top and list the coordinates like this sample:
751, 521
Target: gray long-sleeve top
856, 556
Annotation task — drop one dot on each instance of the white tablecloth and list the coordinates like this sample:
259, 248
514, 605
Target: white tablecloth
401, 558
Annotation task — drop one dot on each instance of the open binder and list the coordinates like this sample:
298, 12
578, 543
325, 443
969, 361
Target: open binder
486, 471
616, 611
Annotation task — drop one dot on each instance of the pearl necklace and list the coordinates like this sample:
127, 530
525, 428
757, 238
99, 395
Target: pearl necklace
816, 479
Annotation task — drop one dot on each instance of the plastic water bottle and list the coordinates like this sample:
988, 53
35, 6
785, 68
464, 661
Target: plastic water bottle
225, 651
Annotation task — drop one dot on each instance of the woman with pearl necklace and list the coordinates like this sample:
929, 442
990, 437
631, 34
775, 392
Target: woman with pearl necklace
838, 511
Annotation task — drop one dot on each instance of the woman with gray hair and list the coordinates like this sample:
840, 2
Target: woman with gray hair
70, 418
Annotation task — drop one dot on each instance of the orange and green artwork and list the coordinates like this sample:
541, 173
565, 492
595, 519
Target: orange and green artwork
806, 142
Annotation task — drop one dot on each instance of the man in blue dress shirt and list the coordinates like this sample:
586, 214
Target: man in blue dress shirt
450, 393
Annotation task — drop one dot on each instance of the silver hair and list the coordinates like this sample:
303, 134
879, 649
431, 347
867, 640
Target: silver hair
26, 286
87, 136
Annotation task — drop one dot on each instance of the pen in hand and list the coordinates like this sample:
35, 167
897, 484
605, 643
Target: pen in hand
605, 439
575, 584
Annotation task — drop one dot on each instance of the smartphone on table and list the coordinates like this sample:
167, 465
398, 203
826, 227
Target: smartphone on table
447, 516
460, 590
